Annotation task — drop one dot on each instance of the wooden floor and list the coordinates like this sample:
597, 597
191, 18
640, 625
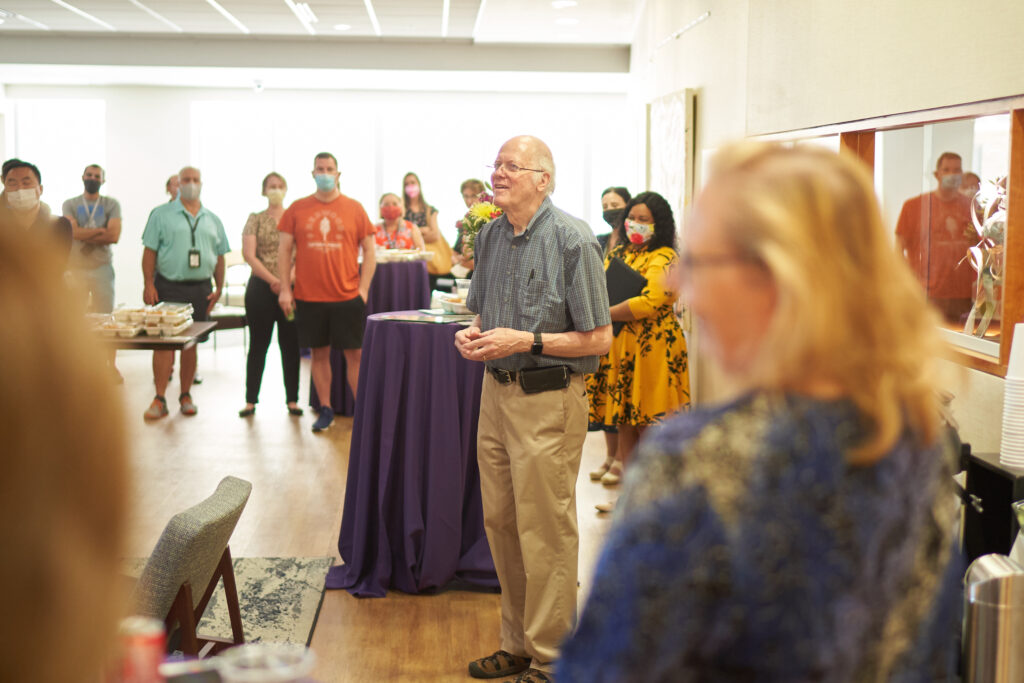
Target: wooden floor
295, 510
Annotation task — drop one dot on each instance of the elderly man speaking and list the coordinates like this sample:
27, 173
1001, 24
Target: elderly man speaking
542, 322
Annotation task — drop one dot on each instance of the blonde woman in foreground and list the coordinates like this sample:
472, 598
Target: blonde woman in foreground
62, 493
804, 530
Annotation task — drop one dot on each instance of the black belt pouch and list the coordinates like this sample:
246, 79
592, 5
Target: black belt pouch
536, 380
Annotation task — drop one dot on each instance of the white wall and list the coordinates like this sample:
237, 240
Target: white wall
144, 134
770, 66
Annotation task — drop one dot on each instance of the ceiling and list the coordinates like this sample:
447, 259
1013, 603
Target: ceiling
602, 22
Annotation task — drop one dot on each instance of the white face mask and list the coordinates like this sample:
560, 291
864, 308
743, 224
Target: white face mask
189, 191
23, 200
275, 195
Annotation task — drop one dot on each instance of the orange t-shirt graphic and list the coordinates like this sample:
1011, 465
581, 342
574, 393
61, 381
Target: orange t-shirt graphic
327, 238
937, 235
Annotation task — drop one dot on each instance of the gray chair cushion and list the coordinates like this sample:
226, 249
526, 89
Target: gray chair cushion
190, 548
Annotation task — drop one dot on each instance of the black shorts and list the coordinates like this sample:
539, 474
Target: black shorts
338, 324
193, 292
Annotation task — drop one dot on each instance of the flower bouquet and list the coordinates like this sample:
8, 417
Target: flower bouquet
479, 215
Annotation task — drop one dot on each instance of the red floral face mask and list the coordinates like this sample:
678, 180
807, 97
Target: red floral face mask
390, 212
639, 233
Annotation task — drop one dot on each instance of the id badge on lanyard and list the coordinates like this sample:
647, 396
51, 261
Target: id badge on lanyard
193, 254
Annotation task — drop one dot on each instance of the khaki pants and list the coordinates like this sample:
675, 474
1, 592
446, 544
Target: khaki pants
529, 448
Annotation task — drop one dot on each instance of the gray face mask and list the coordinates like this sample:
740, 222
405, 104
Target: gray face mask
952, 181
189, 191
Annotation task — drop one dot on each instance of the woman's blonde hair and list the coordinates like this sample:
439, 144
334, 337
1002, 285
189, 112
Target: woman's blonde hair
63, 489
849, 311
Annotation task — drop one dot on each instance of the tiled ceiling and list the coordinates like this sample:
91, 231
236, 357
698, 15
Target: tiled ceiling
512, 21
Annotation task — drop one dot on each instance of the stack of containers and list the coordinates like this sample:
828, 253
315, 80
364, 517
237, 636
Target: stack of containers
1011, 451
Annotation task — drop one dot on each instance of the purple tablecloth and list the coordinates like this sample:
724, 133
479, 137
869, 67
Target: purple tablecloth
398, 286
413, 518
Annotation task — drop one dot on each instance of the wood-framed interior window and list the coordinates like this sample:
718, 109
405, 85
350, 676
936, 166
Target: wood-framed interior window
964, 243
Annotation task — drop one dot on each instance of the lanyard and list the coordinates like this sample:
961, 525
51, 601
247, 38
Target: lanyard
91, 223
192, 226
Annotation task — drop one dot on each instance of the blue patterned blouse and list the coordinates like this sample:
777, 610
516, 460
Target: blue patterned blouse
745, 548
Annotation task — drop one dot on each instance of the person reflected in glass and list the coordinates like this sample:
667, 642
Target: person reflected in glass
260, 249
644, 377
773, 537
934, 232
394, 232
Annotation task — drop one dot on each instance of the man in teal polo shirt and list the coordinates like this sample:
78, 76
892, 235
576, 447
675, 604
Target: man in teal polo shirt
184, 245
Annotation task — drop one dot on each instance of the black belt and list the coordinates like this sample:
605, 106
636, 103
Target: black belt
204, 281
503, 376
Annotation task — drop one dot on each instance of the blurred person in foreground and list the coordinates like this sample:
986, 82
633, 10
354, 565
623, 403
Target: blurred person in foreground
542, 321
63, 503
803, 531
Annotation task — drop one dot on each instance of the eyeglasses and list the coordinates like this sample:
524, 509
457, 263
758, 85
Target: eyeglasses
510, 167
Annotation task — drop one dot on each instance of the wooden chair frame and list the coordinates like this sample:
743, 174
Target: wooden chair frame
187, 619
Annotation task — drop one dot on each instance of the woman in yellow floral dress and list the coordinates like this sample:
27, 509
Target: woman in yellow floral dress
645, 376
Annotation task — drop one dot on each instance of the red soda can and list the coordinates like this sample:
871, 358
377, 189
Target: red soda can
142, 650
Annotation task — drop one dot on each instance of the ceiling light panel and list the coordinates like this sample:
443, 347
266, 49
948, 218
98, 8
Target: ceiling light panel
423, 18
598, 21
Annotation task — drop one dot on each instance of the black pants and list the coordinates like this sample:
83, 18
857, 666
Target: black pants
261, 312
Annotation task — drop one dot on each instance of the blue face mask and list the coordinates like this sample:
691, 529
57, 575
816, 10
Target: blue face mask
325, 182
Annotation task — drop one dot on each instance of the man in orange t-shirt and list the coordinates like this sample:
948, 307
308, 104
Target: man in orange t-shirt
934, 232
325, 231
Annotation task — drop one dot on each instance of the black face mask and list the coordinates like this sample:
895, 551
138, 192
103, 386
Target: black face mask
613, 217
91, 186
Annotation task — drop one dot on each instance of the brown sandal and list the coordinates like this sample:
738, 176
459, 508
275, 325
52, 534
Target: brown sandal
498, 665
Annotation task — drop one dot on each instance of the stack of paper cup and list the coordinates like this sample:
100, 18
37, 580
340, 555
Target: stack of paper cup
1011, 452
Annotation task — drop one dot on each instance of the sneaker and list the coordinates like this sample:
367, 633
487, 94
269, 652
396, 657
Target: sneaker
198, 379
188, 407
498, 665
325, 419
157, 409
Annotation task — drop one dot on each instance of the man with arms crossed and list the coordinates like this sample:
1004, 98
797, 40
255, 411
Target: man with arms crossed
185, 245
542, 322
95, 225
325, 231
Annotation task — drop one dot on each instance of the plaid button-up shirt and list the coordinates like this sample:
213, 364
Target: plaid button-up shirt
550, 278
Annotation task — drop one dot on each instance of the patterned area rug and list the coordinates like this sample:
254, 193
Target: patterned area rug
279, 598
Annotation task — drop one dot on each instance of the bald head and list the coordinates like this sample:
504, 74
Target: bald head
534, 153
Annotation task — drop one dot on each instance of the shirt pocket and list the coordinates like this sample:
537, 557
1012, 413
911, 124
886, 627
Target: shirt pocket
537, 306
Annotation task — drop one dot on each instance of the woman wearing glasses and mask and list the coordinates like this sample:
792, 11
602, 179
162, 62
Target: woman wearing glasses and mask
804, 530
644, 377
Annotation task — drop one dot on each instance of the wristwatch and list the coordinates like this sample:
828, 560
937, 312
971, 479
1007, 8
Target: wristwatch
538, 345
